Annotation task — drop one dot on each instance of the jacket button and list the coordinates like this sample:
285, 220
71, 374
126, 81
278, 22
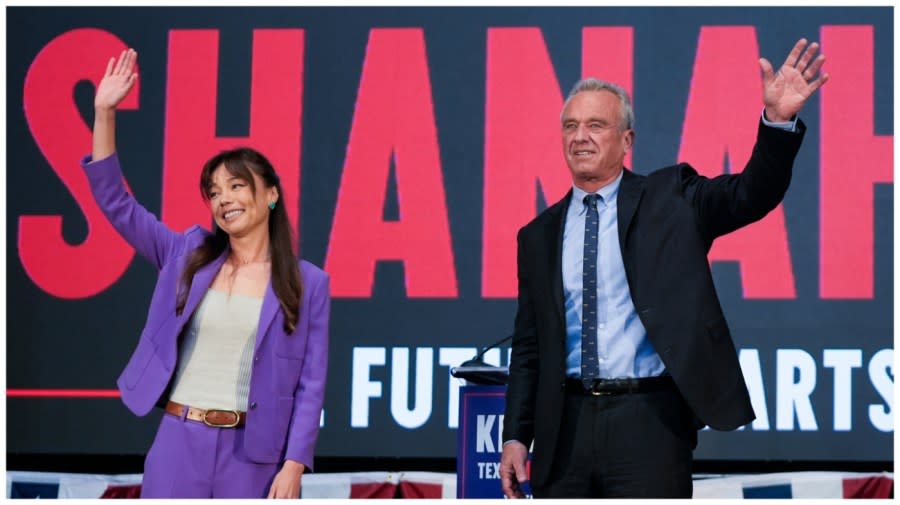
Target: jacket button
252, 405
255, 359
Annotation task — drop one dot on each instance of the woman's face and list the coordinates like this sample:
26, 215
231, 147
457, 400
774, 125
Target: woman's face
239, 211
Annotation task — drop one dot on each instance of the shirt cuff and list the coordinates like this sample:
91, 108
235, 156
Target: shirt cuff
790, 126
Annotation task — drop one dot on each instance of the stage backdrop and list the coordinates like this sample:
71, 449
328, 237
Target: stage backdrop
413, 143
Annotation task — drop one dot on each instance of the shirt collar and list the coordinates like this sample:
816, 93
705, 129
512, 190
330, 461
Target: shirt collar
607, 193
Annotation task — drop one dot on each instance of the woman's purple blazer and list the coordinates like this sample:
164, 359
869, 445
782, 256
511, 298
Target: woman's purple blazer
287, 382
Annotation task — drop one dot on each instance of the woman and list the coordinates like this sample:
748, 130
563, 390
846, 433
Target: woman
236, 340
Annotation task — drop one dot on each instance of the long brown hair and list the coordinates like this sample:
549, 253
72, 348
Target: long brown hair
286, 281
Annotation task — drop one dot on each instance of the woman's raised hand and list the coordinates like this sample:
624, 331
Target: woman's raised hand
113, 88
117, 81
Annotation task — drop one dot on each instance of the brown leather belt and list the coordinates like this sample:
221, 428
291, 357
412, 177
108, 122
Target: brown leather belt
217, 418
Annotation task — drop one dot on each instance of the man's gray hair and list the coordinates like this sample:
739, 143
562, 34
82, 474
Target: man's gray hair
592, 84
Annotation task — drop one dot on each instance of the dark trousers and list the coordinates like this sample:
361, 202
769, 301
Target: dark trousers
637, 445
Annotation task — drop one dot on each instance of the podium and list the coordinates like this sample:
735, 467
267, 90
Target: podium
480, 435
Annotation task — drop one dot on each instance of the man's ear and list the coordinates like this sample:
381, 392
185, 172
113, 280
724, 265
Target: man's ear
629, 140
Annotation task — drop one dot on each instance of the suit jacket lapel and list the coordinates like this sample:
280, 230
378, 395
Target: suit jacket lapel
270, 307
202, 280
554, 237
630, 191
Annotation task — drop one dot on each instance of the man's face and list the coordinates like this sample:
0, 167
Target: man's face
593, 144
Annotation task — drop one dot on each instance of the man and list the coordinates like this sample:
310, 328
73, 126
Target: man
621, 351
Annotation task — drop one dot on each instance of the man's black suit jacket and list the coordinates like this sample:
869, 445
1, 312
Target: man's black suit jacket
667, 222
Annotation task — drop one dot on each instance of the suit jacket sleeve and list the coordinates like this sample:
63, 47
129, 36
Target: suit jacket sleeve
310, 395
518, 421
141, 229
728, 202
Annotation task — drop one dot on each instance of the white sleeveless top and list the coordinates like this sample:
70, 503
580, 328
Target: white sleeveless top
215, 353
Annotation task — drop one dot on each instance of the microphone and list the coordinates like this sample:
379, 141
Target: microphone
477, 361
477, 371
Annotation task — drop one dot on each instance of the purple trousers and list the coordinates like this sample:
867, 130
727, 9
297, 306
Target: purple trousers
191, 460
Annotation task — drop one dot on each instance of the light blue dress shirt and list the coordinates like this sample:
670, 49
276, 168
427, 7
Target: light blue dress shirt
622, 346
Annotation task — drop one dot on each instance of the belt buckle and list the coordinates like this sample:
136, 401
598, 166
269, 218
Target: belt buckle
237, 418
596, 392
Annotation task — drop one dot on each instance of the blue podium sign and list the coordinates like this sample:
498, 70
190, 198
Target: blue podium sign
480, 442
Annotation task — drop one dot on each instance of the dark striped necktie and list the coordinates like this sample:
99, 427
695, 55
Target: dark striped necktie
590, 368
